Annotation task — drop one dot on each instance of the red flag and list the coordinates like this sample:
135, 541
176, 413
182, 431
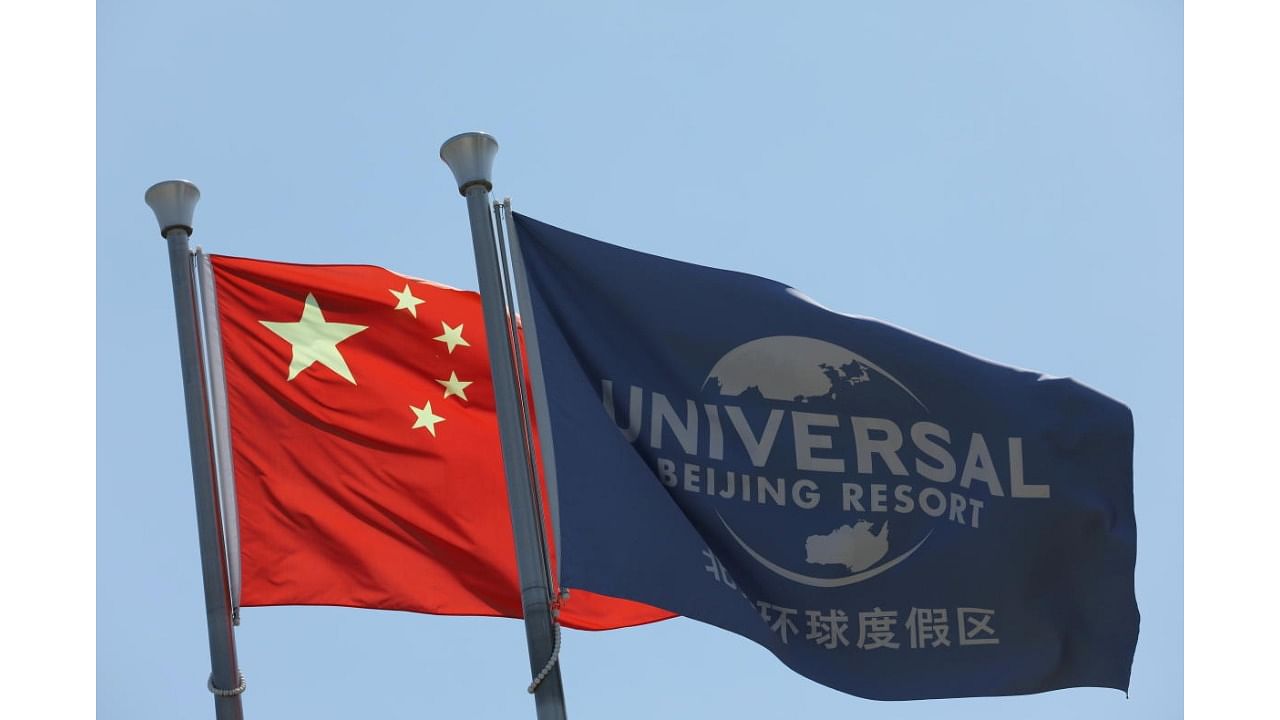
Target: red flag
365, 446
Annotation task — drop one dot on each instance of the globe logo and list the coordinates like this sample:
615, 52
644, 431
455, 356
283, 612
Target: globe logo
804, 370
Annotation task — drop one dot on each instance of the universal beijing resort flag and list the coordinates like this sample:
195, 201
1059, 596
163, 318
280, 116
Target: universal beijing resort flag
888, 516
365, 446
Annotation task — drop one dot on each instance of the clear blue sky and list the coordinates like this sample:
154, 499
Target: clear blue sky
1005, 177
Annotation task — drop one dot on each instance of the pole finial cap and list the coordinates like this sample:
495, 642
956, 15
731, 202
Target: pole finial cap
174, 203
470, 157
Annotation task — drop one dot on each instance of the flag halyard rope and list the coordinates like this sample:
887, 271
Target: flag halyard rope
232, 692
551, 663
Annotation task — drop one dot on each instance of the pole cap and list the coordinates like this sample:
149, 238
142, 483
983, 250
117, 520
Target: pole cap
174, 203
470, 157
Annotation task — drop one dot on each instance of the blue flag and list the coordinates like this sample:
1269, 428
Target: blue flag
889, 516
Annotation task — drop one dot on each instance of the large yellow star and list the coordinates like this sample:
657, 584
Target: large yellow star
315, 340
405, 300
426, 419
452, 337
454, 386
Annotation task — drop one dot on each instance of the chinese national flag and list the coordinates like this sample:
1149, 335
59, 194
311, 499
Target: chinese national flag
365, 446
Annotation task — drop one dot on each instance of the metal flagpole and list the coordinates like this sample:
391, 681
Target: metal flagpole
524, 402
174, 203
470, 157
225, 474
536, 378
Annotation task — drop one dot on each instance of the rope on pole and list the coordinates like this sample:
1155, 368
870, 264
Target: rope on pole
551, 661
228, 693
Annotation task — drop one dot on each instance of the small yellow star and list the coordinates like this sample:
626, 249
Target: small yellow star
454, 386
406, 300
452, 337
426, 419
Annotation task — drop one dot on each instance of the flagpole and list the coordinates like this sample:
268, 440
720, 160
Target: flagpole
174, 203
539, 402
470, 157
518, 341
225, 473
